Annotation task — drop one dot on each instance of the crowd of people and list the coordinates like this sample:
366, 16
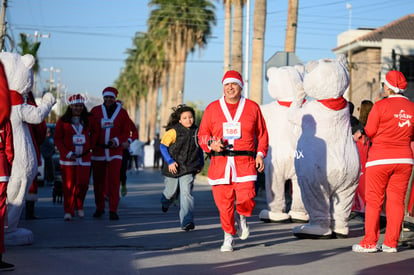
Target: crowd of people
234, 135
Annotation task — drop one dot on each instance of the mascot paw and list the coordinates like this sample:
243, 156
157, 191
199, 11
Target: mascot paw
340, 233
20, 236
49, 98
308, 231
277, 217
299, 217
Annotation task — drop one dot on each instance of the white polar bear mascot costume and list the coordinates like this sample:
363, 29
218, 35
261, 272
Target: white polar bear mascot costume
24, 169
329, 166
284, 85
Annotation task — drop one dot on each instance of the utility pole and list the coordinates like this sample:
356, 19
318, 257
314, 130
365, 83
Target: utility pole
36, 35
246, 58
3, 23
292, 24
51, 80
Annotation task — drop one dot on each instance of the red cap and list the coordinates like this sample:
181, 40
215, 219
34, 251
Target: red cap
233, 77
76, 99
396, 81
110, 91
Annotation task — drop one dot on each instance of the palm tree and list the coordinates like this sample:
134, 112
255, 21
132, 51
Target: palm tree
30, 48
237, 42
189, 25
227, 35
259, 25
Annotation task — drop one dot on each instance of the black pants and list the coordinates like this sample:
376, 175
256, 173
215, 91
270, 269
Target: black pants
124, 166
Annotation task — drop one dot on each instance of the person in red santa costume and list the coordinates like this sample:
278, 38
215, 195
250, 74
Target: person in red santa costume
38, 133
234, 133
107, 154
75, 136
6, 159
390, 127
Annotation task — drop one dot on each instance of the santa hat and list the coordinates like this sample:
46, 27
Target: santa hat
232, 77
110, 91
396, 81
76, 99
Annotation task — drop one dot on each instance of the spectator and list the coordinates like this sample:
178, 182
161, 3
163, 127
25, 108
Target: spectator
390, 127
157, 151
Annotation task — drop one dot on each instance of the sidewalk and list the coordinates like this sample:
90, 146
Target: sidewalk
147, 241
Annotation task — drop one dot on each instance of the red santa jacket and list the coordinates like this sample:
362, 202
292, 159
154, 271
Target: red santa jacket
6, 150
390, 126
71, 140
114, 127
253, 138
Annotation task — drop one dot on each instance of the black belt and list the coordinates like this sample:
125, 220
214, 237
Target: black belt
83, 154
228, 153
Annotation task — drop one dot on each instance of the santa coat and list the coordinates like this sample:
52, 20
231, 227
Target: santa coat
120, 132
64, 140
6, 150
253, 130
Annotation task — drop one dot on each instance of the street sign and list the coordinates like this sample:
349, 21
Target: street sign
280, 59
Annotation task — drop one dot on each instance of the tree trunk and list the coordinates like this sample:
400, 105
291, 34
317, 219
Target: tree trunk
227, 36
164, 106
153, 112
182, 56
292, 24
237, 42
142, 119
259, 26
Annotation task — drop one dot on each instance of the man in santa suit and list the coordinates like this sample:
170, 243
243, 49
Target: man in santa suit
6, 159
107, 154
234, 133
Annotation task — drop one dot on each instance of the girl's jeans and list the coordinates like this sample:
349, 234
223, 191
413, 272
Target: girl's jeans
184, 186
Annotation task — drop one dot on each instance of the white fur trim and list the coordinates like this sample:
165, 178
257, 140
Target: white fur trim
108, 93
395, 89
389, 161
233, 80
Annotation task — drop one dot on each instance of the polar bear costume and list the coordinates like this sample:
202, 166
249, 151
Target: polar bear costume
284, 85
24, 169
329, 168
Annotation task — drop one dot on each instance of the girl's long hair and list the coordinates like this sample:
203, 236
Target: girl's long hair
176, 114
366, 106
67, 116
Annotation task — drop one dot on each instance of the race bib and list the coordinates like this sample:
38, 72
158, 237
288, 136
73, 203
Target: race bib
107, 123
231, 130
79, 140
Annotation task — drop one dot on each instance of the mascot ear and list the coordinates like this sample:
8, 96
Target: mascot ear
300, 68
342, 59
28, 60
271, 71
311, 65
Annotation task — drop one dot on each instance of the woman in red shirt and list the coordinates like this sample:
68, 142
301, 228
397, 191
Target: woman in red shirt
75, 137
390, 129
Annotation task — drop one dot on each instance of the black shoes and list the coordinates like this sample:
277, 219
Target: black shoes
113, 216
189, 226
164, 209
98, 213
6, 266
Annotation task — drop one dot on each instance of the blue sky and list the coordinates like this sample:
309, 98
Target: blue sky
88, 39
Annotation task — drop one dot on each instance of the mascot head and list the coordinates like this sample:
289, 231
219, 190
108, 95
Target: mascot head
326, 78
18, 71
285, 83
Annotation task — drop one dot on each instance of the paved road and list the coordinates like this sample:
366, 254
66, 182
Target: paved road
147, 241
